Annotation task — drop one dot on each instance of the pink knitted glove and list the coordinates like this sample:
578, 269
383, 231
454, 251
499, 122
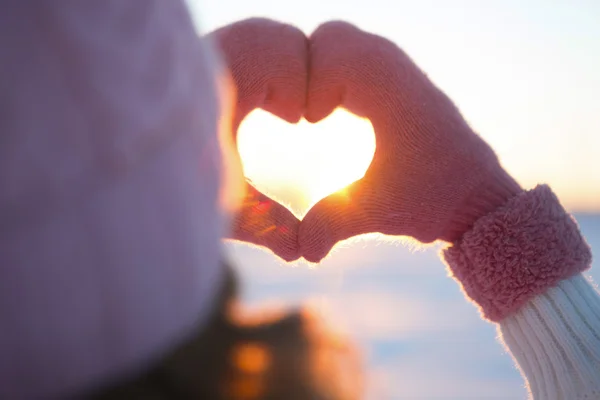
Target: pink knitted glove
268, 61
431, 176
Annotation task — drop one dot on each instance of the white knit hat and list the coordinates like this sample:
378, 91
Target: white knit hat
110, 223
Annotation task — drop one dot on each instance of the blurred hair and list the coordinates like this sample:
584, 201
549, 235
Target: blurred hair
236, 359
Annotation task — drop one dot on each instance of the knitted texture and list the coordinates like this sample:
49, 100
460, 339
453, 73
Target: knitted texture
110, 226
431, 176
518, 252
267, 61
555, 339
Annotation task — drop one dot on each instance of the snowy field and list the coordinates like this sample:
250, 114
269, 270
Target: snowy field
420, 337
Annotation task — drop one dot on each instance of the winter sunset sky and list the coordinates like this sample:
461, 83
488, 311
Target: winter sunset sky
526, 76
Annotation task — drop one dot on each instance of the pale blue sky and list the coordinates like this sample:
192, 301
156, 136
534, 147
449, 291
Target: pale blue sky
526, 74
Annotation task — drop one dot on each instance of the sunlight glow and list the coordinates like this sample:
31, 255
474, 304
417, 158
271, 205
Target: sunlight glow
299, 164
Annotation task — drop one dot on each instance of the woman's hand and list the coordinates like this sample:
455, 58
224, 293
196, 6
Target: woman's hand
268, 63
431, 176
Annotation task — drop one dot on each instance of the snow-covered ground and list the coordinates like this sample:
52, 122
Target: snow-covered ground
420, 337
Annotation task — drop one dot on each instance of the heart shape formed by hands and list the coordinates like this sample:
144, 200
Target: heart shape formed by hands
302, 163
431, 176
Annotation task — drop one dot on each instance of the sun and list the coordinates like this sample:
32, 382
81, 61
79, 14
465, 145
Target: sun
299, 164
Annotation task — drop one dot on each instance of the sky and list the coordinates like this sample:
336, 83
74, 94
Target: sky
526, 76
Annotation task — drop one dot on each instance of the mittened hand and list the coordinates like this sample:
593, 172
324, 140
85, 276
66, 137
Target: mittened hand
431, 176
267, 61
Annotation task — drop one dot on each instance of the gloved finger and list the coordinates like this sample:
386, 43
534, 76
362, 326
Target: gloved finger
353, 211
268, 62
264, 222
329, 70
345, 70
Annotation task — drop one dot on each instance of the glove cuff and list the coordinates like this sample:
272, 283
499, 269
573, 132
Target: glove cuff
518, 252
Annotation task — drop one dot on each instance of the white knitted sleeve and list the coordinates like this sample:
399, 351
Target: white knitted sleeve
555, 340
